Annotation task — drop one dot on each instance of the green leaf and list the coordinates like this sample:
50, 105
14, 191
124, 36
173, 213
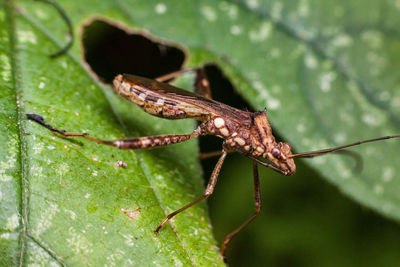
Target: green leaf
326, 71
63, 201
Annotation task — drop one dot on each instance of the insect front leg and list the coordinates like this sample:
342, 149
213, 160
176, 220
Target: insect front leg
209, 190
257, 200
133, 143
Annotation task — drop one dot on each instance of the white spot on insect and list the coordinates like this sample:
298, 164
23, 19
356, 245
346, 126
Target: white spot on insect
146, 142
41, 85
125, 88
142, 96
224, 131
234, 134
118, 143
160, 102
240, 141
5, 67
236, 30
12, 222
78, 243
45, 219
325, 81
262, 33
253, 4
160, 8
378, 189
26, 37
208, 13
387, 174
219, 122
310, 61
247, 148
260, 149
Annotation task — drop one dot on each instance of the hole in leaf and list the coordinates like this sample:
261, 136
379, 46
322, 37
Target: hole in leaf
110, 50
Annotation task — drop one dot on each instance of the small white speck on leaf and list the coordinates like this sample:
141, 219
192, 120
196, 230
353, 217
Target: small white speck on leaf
236, 30
261, 33
12, 222
160, 8
253, 4
325, 81
209, 13
26, 37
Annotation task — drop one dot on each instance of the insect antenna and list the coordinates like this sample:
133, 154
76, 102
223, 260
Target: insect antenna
334, 149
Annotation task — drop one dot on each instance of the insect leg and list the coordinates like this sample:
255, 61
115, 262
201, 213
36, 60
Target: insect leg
209, 190
174, 74
211, 154
201, 83
257, 198
134, 143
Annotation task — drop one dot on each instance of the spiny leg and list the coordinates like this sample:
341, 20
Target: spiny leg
257, 198
209, 190
134, 143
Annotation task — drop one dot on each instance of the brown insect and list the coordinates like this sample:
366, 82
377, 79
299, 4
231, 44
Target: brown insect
248, 133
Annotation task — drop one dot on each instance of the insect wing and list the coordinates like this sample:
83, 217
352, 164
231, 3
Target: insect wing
171, 102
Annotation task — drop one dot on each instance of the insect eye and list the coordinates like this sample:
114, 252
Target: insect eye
276, 153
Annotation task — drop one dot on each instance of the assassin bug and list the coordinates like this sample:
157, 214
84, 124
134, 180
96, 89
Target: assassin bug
248, 133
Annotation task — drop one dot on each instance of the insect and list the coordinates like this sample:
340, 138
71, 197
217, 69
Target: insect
248, 133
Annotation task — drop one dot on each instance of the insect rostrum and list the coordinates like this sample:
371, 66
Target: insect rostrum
248, 133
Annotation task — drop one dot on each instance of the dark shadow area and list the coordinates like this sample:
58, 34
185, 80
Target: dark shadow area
110, 50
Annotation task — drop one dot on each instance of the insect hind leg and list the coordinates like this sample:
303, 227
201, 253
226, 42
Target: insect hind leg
133, 143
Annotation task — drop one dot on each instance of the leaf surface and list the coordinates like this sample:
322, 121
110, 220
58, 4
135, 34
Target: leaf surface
326, 71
